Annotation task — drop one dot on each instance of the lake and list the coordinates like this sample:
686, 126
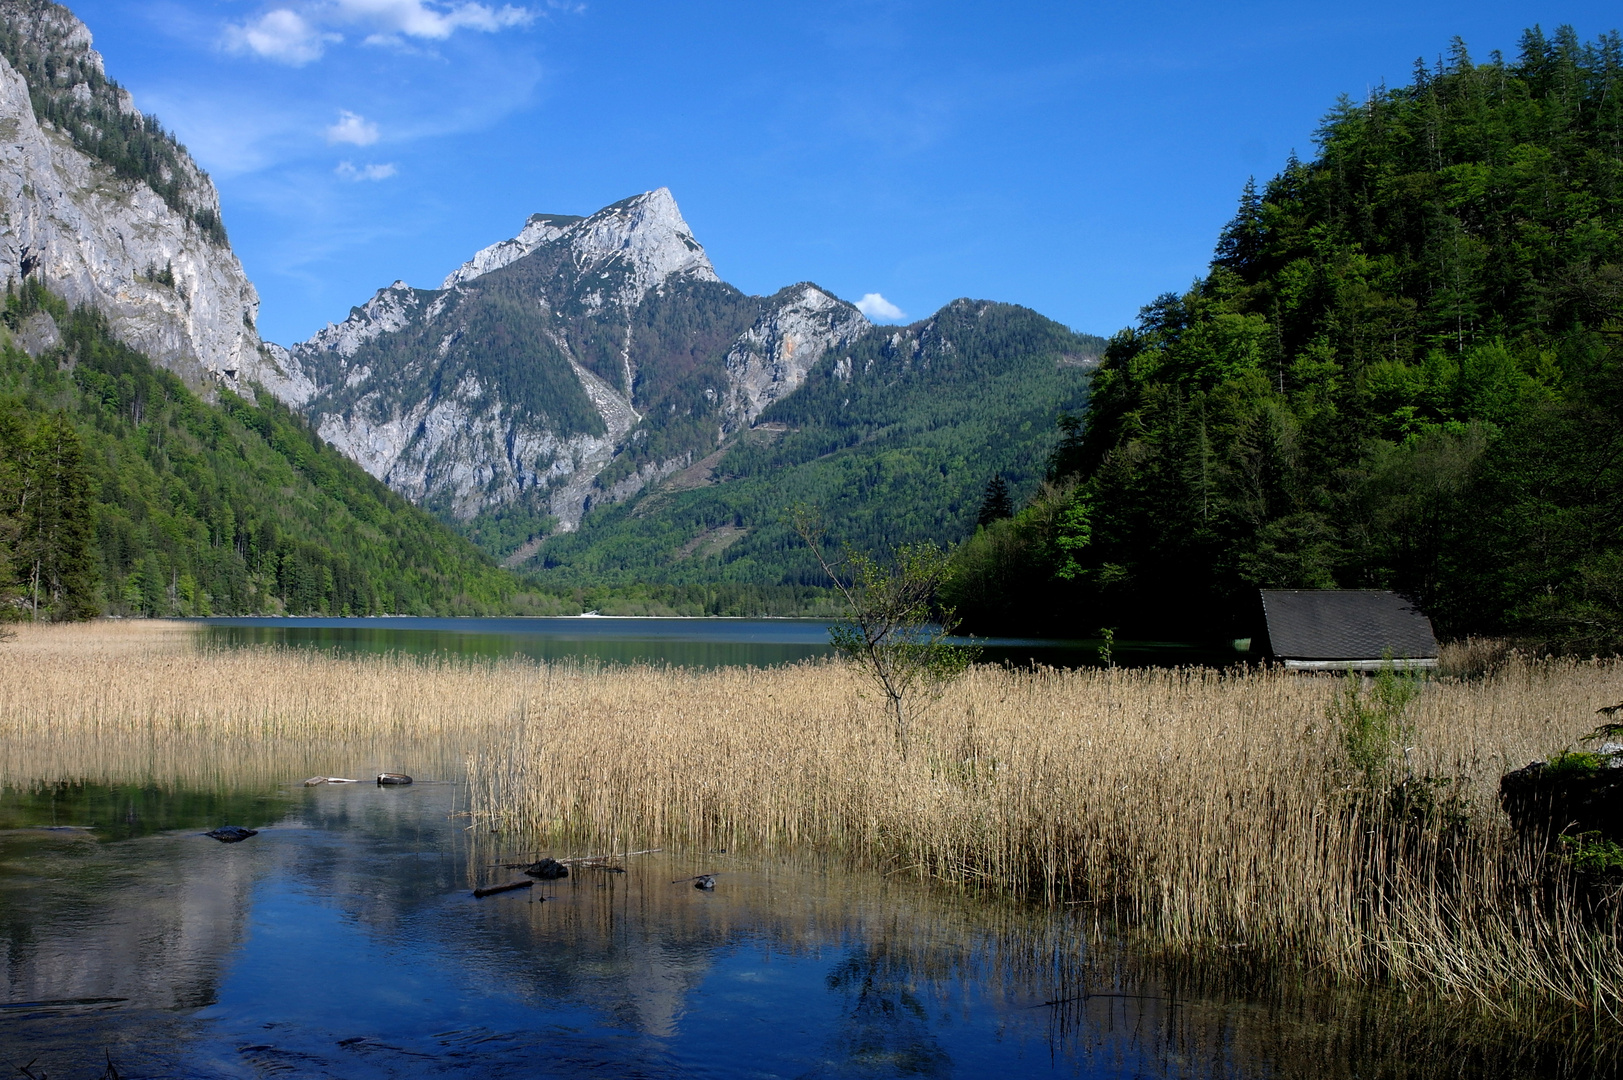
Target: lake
682, 642
343, 941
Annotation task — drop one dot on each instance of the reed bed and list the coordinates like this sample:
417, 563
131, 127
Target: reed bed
1213, 813
139, 703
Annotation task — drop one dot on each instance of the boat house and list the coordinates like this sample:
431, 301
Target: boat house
1346, 630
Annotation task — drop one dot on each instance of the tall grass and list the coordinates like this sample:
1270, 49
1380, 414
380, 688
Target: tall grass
1216, 814
137, 703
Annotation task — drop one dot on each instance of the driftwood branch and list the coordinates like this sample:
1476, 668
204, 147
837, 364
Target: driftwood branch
576, 860
492, 890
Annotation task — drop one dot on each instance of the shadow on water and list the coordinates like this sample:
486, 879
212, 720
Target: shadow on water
126, 811
697, 643
343, 941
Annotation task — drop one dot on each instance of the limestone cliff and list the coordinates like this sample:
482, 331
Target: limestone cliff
104, 207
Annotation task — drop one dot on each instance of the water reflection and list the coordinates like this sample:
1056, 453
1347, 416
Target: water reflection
886, 1025
698, 643
342, 941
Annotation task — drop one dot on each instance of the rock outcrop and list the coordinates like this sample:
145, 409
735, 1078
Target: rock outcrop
135, 232
770, 359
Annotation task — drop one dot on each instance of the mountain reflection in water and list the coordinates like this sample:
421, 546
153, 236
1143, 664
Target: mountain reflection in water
343, 941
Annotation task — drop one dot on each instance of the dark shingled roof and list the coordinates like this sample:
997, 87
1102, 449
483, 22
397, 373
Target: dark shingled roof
1353, 624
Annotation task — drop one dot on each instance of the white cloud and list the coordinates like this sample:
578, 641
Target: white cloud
420, 19
875, 306
352, 128
282, 35
349, 171
300, 32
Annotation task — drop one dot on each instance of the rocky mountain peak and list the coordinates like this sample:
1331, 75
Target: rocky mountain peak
641, 241
647, 236
770, 360
570, 366
49, 28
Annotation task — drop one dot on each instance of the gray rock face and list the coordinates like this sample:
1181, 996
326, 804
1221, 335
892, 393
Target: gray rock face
770, 360
540, 229
96, 238
38, 334
571, 366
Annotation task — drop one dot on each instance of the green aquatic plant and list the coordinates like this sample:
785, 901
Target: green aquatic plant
1372, 718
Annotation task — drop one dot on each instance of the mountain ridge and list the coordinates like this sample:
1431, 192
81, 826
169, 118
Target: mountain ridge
578, 366
569, 366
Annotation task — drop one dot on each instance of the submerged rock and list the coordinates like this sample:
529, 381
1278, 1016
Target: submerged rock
547, 870
231, 834
705, 881
393, 779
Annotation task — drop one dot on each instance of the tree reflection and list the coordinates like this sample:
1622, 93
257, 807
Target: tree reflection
886, 1027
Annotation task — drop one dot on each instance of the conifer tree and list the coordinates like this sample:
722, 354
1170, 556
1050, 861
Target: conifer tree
56, 523
13, 437
1240, 243
995, 504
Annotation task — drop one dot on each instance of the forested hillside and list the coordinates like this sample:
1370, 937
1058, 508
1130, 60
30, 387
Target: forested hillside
893, 440
122, 492
1402, 370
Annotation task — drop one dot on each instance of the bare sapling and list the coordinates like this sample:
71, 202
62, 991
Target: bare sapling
893, 628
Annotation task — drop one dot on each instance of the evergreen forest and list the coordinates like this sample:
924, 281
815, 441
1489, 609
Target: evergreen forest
1404, 369
123, 493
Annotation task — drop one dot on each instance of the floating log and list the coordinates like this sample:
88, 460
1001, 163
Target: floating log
492, 890
393, 779
605, 858
316, 781
580, 860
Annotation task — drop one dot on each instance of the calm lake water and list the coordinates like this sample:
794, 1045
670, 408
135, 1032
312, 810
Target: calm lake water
682, 642
343, 941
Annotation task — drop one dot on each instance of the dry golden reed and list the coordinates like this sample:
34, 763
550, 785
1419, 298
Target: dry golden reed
1212, 812
138, 703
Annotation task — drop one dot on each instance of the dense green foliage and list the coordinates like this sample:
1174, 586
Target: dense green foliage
34, 42
729, 599
1402, 371
122, 491
894, 440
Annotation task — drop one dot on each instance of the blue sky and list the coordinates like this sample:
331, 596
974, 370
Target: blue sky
1078, 158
